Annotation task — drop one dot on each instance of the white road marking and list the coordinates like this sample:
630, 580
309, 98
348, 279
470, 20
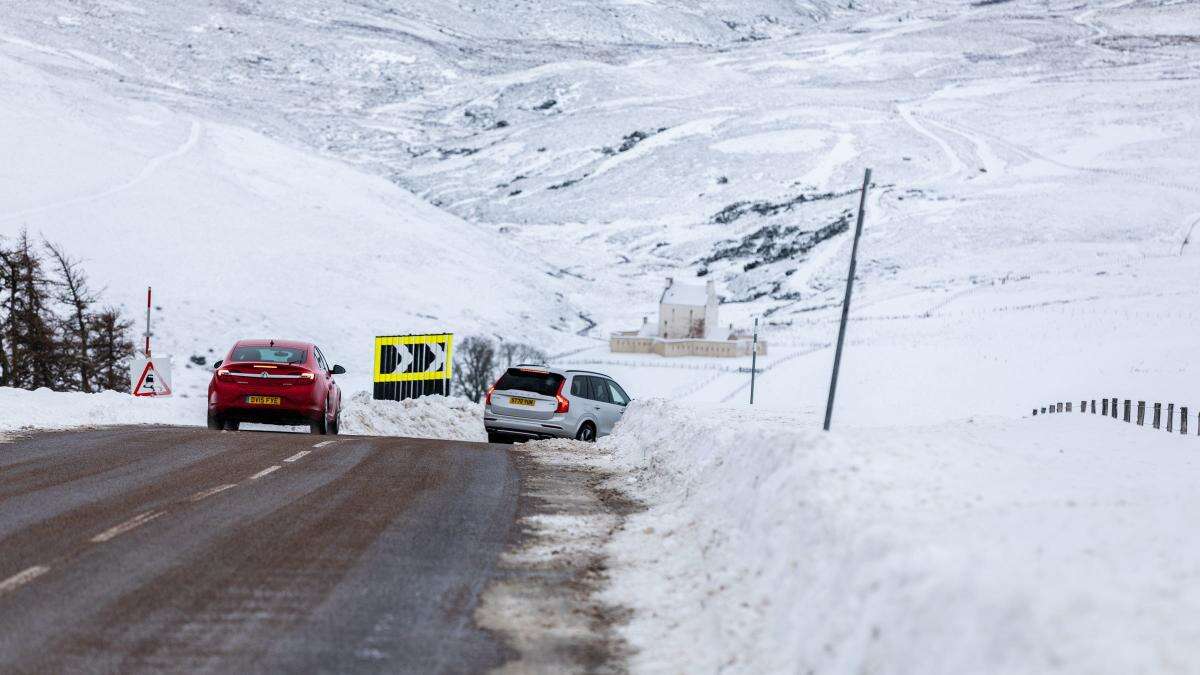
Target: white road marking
212, 491
21, 578
298, 455
324, 443
134, 522
265, 471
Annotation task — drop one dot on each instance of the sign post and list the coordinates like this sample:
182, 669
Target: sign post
411, 366
150, 377
146, 351
837, 355
753, 360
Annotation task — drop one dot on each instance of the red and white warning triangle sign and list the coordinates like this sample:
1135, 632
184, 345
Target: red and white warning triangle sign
151, 377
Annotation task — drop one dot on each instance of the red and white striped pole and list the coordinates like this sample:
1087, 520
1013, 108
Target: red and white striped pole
148, 290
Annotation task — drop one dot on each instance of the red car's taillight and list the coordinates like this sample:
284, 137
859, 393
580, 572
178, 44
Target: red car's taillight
563, 404
488, 398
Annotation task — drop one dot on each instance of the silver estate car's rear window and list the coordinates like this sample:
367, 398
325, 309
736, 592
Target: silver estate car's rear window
268, 354
545, 384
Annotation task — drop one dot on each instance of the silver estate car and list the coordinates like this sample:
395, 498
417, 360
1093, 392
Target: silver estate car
529, 402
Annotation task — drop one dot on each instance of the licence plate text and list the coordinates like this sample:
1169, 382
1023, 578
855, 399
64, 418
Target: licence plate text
517, 400
263, 400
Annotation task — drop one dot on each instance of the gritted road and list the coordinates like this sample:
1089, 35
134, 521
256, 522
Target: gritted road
151, 549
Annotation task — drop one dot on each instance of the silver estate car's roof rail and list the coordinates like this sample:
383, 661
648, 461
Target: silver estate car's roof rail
589, 372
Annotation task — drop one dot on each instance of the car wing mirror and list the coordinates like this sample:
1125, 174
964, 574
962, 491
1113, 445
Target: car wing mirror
338, 370
218, 364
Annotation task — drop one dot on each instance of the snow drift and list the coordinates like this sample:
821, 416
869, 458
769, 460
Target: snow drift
445, 417
1045, 544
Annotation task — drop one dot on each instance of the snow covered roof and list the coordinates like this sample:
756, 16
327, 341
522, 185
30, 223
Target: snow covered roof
685, 294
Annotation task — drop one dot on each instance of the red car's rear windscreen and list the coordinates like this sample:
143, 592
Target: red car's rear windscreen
268, 354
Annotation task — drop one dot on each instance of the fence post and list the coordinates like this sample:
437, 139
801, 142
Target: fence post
1104, 405
1035, 412
1128, 408
1157, 415
1114, 408
1141, 415
1068, 406
1060, 409
1093, 406
1183, 420
1043, 410
1083, 406
1170, 417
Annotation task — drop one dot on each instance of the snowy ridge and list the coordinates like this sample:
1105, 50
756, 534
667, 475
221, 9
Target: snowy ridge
985, 546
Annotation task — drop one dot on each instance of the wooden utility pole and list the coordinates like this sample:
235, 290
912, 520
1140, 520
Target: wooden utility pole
837, 355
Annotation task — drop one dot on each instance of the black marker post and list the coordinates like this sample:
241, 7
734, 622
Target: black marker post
837, 356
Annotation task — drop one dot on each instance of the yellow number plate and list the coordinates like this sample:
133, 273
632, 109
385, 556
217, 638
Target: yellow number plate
263, 400
517, 400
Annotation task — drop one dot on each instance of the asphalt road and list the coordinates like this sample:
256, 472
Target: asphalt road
172, 549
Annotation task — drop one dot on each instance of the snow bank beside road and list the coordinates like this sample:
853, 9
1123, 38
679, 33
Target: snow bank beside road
428, 417
1056, 543
45, 409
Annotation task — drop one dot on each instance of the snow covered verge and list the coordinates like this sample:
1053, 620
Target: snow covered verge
429, 417
1002, 546
45, 409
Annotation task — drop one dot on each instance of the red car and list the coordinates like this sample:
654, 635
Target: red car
275, 382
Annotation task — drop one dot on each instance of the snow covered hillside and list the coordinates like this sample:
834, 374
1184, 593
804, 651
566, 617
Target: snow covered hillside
240, 235
333, 170
1033, 171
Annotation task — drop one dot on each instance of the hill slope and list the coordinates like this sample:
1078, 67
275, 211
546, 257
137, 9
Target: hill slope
240, 235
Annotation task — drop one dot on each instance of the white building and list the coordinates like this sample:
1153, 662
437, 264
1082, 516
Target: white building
688, 325
686, 311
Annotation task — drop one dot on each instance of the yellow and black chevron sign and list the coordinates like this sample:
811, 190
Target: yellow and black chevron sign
413, 358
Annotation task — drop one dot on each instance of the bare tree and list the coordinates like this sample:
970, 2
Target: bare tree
513, 353
474, 367
74, 294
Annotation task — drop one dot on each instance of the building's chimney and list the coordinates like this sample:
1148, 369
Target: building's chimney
711, 287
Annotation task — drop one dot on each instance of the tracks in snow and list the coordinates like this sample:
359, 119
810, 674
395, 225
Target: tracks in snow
147, 171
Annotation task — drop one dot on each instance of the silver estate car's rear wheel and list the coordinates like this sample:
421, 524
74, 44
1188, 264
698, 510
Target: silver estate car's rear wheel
587, 433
